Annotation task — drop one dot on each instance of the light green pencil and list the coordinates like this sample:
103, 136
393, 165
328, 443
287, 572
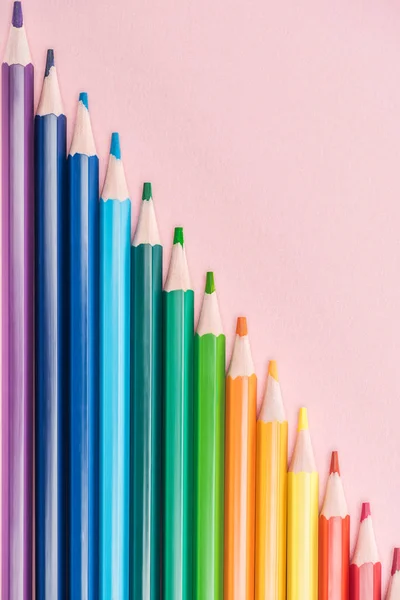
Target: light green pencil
209, 435
178, 426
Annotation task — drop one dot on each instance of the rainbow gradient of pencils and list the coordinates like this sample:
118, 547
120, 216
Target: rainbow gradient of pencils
133, 466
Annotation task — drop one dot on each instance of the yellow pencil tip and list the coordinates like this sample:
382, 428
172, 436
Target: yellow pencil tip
273, 369
303, 419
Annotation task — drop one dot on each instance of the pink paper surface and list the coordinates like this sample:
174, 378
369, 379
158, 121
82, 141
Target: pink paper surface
271, 132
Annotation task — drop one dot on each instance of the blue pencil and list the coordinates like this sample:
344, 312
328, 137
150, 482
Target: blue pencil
51, 339
83, 176
115, 235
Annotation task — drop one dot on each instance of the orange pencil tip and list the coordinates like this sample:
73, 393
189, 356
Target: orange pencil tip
273, 369
365, 511
396, 561
241, 328
334, 463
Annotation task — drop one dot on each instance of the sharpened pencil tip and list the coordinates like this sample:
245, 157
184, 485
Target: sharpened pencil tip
334, 463
396, 561
84, 98
17, 16
241, 327
365, 511
147, 191
303, 419
49, 61
178, 236
210, 283
273, 369
115, 148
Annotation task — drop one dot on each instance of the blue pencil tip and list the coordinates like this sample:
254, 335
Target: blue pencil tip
49, 62
17, 17
115, 149
84, 98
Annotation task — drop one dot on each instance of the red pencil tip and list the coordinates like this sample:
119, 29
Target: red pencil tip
334, 463
396, 561
365, 511
241, 328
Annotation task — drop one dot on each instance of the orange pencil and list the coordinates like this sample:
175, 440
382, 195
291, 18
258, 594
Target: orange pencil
271, 492
334, 539
240, 465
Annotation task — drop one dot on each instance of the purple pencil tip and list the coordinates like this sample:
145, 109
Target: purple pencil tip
17, 17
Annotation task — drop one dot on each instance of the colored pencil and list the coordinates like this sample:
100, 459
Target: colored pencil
365, 567
334, 539
83, 176
178, 423
51, 339
394, 584
17, 314
271, 492
302, 560
146, 405
115, 277
209, 440
240, 467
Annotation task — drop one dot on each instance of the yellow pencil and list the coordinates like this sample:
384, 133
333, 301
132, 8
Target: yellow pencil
302, 575
271, 493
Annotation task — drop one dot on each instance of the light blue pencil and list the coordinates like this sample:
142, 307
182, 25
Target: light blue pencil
115, 248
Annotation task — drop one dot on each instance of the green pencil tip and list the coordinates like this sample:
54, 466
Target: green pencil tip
210, 284
147, 192
178, 236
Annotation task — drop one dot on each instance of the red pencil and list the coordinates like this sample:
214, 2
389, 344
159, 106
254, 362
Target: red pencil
394, 585
334, 539
365, 568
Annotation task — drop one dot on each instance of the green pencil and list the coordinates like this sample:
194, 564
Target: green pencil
146, 405
178, 426
209, 435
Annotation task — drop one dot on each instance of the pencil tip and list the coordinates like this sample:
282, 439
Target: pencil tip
396, 561
84, 98
365, 511
334, 463
49, 61
147, 191
17, 16
178, 236
241, 327
273, 369
115, 148
210, 283
303, 419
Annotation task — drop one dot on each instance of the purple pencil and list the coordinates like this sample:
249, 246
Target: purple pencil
17, 314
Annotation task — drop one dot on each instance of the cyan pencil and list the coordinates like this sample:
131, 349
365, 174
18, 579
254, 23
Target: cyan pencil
115, 265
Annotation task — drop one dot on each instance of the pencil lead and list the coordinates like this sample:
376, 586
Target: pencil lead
241, 327
17, 16
210, 283
147, 191
396, 561
115, 149
84, 98
49, 61
303, 419
365, 511
273, 369
334, 463
178, 236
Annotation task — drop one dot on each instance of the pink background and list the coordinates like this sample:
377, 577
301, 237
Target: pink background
271, 132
